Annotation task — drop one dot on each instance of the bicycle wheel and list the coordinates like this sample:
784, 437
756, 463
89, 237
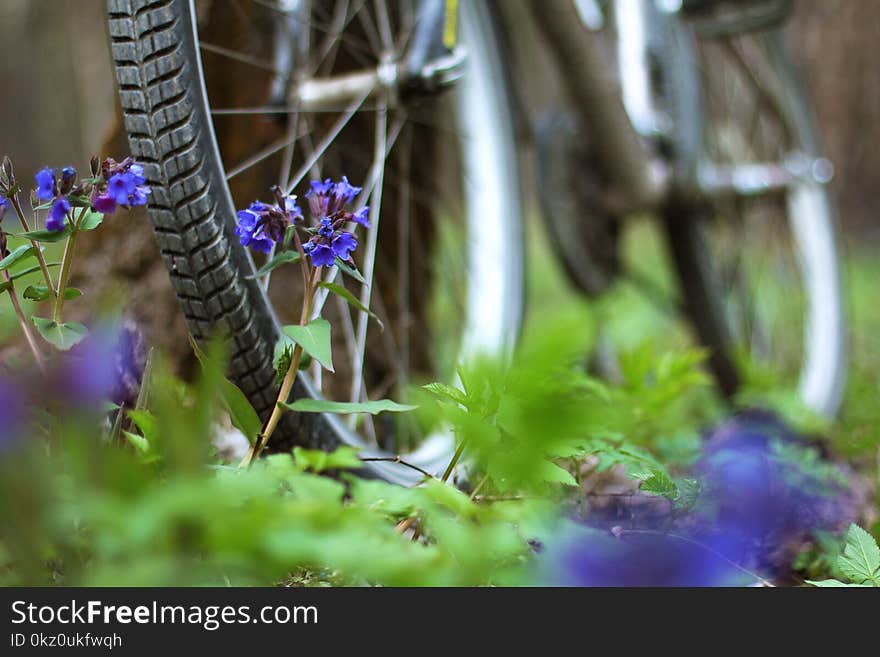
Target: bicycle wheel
216, 124
758, 264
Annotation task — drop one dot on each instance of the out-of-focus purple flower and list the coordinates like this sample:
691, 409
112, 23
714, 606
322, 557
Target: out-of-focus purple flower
763, 493
45, 178
13, 414
55, 218
106, 366
589, 557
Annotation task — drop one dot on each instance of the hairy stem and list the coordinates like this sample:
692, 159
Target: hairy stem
39, 251
289, 377
25, 327
64, 275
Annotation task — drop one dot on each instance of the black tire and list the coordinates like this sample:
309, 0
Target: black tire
167, 118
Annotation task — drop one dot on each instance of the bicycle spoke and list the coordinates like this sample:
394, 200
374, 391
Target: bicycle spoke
370, 254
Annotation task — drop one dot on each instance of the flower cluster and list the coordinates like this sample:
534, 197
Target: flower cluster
120, 184
114, 184
50, 188
260, 226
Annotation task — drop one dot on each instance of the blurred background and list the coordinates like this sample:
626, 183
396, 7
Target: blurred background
59, 107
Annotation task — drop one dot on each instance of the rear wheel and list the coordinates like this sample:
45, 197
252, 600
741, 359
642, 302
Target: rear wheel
758, 266
222, 100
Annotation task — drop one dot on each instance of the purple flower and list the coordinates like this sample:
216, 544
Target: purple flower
293, 211
139, 195
120, 186
327, 198
343, 244
137, 173
45, 184
12, 413
104, 204
68, 176
250, 230
322, 255
55, 218
362, 216
326, 228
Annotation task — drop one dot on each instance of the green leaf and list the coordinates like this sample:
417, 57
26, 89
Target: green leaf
140, 443
314, 338
860, 560
63, 336
447, 391
241, 413
350, 271
351, 299
91, 220
146, 422
657, 482
41, 293
46, 236
316, 460
555, 474
31, 270
306, 405
834, 583
282, 258
20, 253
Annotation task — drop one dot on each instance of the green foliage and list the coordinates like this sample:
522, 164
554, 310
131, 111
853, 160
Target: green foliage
16, 255
859, 563
314, 338
352, 300
64, 335
241, 413
41, 293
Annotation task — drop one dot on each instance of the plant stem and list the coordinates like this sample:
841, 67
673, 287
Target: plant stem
35, 244
65, 274
289, 377
454, 461
25, 327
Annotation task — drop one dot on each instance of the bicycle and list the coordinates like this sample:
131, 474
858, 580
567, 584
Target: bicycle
428, 82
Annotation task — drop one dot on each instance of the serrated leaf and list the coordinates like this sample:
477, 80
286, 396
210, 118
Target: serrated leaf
91, 220
658, 482
834, 583
314, 338
19, 253
350, 271
282, 258
352, 300
41, 293
342, 458
64, 335
241, 413
307, 405
449, 392
46, 236
860, 560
